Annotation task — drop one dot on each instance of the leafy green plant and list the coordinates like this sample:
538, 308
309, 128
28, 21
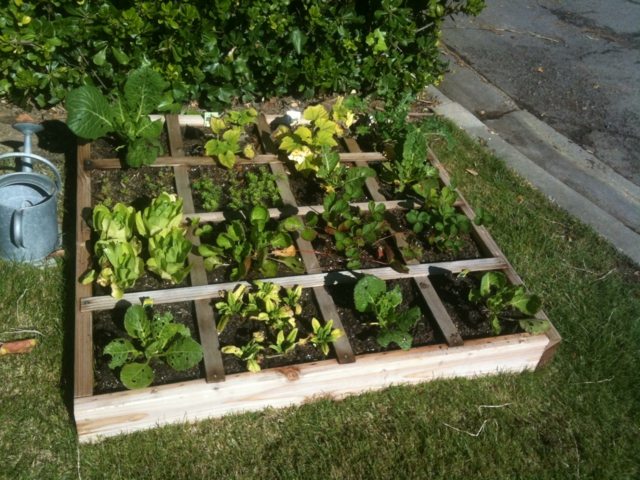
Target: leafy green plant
210, 193
164, 213
120, 265
228, 132
351, 230
337, 177
323, 335
259, 188
305, 144
91, 116
411, 165
371, 296
233, 304
249, 352
502, 299
255, 243
267, 306
168, 253
152, 337
285, 343
114, 224
438, 216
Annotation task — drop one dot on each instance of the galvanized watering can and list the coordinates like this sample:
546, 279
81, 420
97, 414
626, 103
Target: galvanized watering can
28, 206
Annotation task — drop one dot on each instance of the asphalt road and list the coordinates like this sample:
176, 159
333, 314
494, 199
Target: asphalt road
575, 64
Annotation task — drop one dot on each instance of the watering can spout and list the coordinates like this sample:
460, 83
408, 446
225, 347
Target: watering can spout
27, 129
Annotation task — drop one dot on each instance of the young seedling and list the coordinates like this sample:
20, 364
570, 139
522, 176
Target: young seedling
371, 296
501, 299
233, 304
229, 133
152, 337
323, 335
249, 353
285, 343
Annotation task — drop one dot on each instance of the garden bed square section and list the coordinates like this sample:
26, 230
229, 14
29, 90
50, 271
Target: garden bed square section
214, 394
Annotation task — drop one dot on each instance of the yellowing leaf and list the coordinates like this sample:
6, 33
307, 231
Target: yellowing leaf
315, 113
304, 133
217, 125
248, 151
290, 251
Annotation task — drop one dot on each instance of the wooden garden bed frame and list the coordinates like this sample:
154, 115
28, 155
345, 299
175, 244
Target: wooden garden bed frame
104, 415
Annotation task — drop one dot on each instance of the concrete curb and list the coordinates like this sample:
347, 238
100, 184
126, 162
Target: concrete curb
623, 238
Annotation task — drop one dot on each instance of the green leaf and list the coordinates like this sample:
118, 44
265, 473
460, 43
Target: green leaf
100, 57
527, 304
121, 57
136, 375
402, 339
184, 353
143, 91
367, 291
535, 326
88, 113
298, 39
491, 279
136, 322
121, 351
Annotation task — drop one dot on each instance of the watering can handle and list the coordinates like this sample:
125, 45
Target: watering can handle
16, 227
58, 179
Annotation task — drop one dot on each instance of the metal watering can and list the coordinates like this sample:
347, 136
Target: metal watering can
28, 205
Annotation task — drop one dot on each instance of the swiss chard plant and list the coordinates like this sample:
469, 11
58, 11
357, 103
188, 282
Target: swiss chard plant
352, 231
254, 244
438, 217
91, 115
395, 324
229, 136
323, 335
336, 177
305, 142
152, 337
502, 300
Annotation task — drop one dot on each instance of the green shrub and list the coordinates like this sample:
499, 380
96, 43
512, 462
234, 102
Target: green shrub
224, 50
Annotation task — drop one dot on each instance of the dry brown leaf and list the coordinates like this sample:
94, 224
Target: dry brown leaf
290, 251
471, 171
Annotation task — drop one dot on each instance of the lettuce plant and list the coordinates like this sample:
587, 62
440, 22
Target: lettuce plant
120, 265
91, 116
114, 224
163, 214
168, 253
152, 337
371, 296
501, 299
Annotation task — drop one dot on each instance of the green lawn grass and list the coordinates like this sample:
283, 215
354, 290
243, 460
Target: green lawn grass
577, 418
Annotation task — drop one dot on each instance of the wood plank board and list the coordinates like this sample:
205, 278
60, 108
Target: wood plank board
123, 412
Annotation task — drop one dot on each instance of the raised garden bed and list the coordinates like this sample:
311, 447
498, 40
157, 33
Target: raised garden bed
442, 348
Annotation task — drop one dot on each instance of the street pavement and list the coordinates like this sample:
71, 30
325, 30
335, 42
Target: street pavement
555, 87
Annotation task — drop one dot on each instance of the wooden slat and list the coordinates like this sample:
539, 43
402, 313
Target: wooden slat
441, 316
124, 412
172, 295
83, 337
490, 247
205, 316
327, 307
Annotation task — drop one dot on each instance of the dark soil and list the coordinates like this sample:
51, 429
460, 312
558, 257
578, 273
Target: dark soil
470, 318
240, 330
109, 325
331, 259
428, 253
305, 190
136, 187
363, 336
105, 147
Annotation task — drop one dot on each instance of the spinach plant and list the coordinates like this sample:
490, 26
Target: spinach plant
232, 304
152, 337
285, 343
268, 306
91, 116
336, 177
371, 296
438, 216
502, 299
229, 138
255, 243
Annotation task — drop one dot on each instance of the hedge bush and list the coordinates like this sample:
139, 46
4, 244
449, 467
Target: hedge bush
219, 51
